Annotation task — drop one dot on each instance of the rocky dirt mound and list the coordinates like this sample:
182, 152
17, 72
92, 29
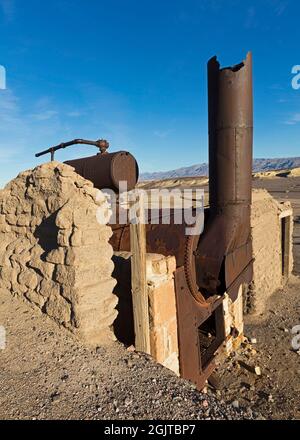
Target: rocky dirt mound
173, 183
295, 172
45, 374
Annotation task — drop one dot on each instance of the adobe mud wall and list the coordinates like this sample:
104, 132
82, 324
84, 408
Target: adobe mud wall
54, 253
162, 306
233, 322
272, 230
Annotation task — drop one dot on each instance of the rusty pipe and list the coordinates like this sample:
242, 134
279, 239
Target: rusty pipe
224, 250
230, 115
102, 144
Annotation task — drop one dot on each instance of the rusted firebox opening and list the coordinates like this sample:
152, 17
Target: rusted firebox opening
211, 335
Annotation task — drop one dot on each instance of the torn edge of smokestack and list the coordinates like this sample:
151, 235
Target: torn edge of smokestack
235, 68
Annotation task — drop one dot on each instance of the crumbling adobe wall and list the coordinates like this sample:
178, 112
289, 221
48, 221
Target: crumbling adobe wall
162, 306
266, 229
53, 251
162, 310
233, 323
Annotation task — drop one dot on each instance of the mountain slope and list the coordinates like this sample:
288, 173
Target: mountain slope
202, 169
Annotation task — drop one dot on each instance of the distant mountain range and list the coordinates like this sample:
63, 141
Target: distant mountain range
201, 169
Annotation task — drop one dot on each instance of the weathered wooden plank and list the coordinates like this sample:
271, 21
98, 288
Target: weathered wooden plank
139, 280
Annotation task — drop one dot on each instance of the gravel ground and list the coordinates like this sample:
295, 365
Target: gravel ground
45, 374
276, 392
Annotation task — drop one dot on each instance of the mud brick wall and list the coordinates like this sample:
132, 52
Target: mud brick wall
233, 322
266, 227
162, 310
53, 251
162, 306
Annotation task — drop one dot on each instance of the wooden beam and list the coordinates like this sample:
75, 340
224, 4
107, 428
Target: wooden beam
139, 280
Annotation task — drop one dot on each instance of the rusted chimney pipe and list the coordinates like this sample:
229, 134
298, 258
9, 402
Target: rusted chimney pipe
224, 250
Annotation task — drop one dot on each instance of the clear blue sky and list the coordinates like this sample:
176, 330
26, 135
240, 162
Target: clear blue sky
134, 72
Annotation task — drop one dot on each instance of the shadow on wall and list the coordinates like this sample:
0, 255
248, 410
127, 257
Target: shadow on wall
46, 234
123, 325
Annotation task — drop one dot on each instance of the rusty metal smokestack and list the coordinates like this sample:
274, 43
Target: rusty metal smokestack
224, 255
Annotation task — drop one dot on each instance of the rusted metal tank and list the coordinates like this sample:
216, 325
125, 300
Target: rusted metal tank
166, 237
117, 171
108, 170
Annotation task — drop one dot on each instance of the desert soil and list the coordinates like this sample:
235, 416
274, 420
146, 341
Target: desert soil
46, 374
276, 393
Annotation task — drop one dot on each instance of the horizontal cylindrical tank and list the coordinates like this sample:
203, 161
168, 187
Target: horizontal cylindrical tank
108, 170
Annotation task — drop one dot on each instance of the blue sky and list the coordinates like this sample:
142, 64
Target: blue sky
134, 72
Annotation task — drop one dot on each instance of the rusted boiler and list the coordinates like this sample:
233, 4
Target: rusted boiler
219, 260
